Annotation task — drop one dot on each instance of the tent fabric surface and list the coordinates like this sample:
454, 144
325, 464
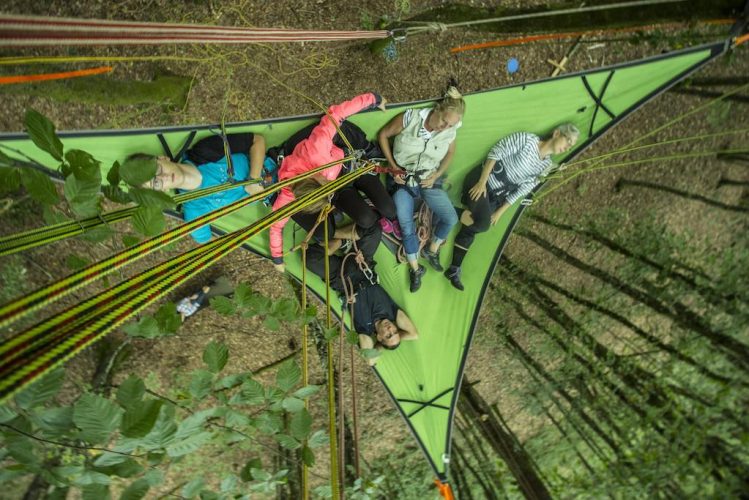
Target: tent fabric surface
423, 377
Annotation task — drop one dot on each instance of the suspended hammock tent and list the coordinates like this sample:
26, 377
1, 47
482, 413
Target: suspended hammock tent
423, 377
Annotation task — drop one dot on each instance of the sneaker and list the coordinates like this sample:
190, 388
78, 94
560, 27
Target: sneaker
453, 274
345, 247
415, 277
397, 229
386, 225
433, 258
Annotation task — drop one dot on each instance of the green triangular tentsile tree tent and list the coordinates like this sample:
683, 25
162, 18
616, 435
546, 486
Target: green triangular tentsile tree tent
423, 377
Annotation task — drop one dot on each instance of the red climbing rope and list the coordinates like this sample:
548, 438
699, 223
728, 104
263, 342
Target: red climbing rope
35, 30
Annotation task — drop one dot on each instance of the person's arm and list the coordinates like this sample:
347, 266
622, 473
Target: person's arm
429, 181
522, 190
393, 128
404, 323
479, 189
498, 213
257, 157
366, 342
322, 135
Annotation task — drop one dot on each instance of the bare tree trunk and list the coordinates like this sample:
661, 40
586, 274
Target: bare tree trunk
502, 440
678, 192
488, 491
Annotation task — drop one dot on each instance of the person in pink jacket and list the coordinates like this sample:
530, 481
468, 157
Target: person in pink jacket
318, 149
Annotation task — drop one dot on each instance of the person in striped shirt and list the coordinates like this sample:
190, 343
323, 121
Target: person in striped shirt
509, 174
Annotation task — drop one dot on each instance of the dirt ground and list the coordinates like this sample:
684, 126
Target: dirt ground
229, 85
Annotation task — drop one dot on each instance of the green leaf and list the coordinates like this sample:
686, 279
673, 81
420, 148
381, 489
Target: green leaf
126, 468
332, 333
6, 161
137, 172
95, 492
287, 442
370, 353
318, 439
231, 380
136, 490
75, 262
129, 240
113, 175
164, 431
269, 423
83, 166
272, 323
96, 417
56, 421
88, 477
42, 132
285, 309
147, 327
236, 419
151, 198
306, 391
228, 483
148, 221
21, 449
140, 419
223, 305
246, 473
154, 477
252, 393
215, 356
301, 424
308, 456
116, 194
40, 187
200, 384
189, 445
168, 318
108, 459
97, 234
243, 295
52, 216
41, 390
131, 392
194, 423
193, 487
10, 179
6, 414
288, 375
352, 337
82, 195
292, 405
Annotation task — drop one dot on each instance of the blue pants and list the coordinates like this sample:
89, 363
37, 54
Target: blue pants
445, 216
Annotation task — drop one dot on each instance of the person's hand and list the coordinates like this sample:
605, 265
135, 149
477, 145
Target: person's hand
399, 179
281, 268
372, 361
477, 191
253, 189
429, 181
496, 216
382, 104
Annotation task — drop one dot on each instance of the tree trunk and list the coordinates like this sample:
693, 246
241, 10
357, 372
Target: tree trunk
460, 455
678, 192
473, 406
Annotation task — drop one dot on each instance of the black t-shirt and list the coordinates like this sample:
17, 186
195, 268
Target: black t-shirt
372, 304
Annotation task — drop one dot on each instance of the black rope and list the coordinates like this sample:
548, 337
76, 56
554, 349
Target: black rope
598, 100
424, 404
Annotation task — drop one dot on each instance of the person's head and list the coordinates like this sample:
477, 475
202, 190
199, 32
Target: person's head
387, 334
448, 111
305, 187
563, 138
168, 173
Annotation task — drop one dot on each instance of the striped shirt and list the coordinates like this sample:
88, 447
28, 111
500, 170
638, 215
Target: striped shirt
518, 166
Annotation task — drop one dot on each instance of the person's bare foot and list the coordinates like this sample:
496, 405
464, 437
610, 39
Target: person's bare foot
334, 245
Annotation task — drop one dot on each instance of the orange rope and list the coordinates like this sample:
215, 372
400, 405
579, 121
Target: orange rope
574, 34
742, 39
54, 76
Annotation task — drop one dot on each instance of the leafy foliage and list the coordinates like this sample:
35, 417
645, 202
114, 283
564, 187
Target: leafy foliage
42, 132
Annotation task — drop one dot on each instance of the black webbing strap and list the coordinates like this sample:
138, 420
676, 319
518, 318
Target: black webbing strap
186, 145
597, 100
165, 146
424, 404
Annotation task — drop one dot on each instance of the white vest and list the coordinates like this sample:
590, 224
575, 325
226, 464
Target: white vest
419, 156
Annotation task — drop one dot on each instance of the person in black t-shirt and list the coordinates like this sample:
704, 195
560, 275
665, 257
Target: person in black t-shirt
377, 318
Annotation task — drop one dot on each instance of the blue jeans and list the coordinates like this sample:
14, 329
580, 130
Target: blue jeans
445, 216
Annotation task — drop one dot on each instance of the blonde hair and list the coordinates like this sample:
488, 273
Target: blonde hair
305, 187
451, 102
569, 130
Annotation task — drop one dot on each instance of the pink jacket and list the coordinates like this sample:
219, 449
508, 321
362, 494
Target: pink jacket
318, 149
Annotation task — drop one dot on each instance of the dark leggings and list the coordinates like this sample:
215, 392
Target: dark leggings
367, 243
481, 212
350, 202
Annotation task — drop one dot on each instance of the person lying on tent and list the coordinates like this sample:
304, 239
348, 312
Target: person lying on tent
204, 165
376, 317
510, 172
424, 145
316, 150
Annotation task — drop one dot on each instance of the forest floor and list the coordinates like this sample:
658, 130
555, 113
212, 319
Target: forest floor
228, 84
